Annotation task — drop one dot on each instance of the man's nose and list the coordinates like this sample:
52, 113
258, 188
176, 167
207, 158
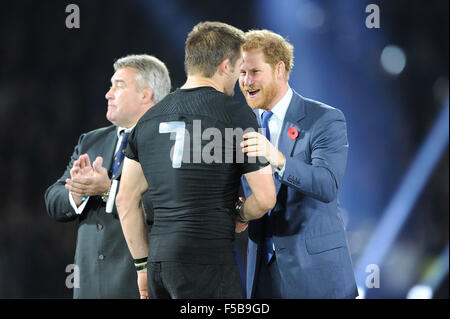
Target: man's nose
247, 80
109, 95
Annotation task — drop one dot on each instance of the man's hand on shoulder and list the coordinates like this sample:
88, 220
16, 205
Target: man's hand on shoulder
256, 144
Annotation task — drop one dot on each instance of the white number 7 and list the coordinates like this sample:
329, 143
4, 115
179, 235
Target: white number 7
178, 128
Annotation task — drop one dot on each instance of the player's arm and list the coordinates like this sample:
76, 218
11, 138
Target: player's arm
263, 197
128, 202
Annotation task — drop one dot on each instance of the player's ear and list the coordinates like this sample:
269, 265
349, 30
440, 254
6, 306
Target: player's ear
147, 96
224, 67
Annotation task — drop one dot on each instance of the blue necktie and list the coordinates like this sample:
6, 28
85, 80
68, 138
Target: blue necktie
268, 230
265, 116
118, 158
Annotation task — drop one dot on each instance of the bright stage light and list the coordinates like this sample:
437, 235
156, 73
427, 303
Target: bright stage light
393, 59
420, 292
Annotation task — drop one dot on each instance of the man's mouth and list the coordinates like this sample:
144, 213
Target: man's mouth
253, 93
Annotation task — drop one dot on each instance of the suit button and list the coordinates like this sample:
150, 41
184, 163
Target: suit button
101, 257
99, 226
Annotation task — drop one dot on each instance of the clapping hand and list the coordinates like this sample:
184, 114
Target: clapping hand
87, 180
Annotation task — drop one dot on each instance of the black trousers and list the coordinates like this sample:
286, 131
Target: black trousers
174, 280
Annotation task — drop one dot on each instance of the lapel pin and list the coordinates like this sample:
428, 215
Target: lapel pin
293, 133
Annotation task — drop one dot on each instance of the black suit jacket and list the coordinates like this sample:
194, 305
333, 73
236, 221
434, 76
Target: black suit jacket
105, 264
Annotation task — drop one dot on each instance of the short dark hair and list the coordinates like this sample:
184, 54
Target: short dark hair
208, 44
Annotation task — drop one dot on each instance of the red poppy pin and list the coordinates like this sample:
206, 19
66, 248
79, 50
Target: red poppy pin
293, 133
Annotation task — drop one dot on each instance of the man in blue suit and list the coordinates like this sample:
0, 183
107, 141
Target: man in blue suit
299, 248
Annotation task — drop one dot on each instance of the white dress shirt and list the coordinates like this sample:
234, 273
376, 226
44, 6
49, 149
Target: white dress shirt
276, 121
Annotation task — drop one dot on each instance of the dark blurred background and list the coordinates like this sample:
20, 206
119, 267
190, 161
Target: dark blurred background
391, 83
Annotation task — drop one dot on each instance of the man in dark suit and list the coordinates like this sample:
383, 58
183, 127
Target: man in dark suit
86, 192
299, 248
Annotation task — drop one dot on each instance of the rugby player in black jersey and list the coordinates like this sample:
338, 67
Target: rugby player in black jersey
185, 151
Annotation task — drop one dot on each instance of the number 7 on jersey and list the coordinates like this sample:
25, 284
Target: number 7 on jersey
177, 127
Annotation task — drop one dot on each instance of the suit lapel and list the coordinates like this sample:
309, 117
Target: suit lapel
108, 149
294, 115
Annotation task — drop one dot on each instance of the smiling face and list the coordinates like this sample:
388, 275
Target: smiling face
124, 100
258, 81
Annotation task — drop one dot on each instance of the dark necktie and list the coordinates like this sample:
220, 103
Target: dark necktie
120, 154
268, 230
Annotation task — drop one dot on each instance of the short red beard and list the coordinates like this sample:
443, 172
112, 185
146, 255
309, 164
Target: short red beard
267, 95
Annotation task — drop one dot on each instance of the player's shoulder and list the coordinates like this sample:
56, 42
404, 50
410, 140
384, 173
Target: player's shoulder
241, 110
156, 110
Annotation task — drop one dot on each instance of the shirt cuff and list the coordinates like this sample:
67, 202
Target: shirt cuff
78, 210
280, 172
111, 196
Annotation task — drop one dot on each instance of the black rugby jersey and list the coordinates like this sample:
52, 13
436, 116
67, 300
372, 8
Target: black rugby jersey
188, 147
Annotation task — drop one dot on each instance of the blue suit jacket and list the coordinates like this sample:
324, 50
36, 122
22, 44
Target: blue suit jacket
309, 237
